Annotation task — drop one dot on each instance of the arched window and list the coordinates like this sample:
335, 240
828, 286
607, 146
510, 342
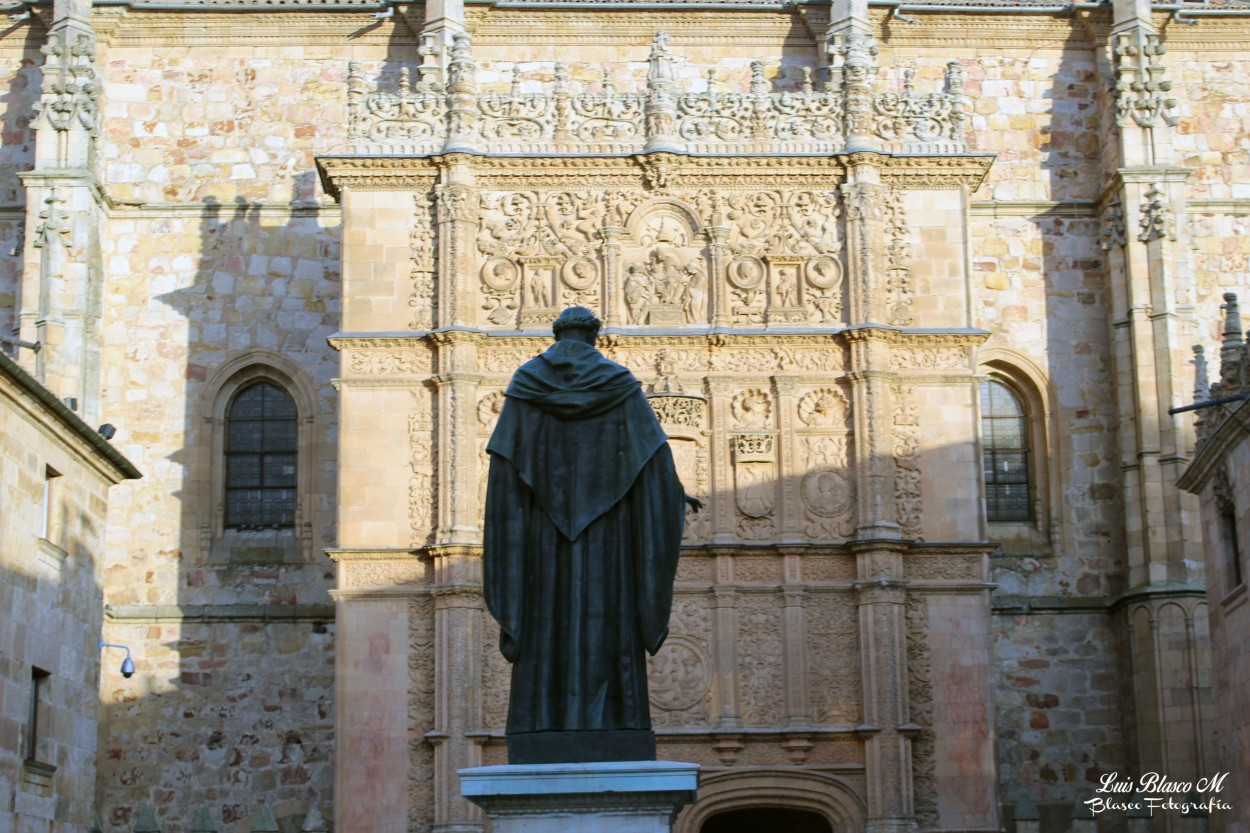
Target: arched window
1005, 454
262, 445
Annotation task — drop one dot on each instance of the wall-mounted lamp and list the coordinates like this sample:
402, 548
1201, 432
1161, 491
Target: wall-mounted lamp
107, 430
128, 665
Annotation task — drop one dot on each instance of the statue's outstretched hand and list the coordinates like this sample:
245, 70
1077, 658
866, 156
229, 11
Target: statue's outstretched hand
694, 503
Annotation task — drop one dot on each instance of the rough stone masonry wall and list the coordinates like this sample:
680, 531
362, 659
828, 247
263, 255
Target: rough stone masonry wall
49, 619
224, 249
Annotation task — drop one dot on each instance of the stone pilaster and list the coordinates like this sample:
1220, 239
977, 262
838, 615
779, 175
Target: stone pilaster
881, 596
455, 416
794, 638
876, 512
456, 202
725, 622
61, 285
458, 612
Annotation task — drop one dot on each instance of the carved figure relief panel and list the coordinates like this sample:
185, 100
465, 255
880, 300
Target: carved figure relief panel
664, 259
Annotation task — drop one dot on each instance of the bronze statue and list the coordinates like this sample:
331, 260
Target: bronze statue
584, 516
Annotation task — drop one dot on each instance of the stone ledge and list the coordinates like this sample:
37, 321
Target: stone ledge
219, 613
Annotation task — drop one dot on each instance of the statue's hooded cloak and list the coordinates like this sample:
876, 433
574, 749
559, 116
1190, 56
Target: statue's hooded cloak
584, 515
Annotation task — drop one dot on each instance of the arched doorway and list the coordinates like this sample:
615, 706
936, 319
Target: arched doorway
772, 819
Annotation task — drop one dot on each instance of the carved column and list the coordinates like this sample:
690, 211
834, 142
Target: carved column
612, 300
718, 237
61, 285
882, 599
458, 611
457, 205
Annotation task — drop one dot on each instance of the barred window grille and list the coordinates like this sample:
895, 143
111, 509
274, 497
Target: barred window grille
1005, 460
261, 448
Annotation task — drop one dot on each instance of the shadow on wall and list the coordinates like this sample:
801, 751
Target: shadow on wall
228, 724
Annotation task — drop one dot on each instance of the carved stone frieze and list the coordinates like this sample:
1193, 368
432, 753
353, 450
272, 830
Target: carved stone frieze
383, 574
686, 411
387, 362
423, 115
929, 358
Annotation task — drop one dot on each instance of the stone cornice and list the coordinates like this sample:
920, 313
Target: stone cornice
690, 26
376, 173
262, 25
918, 172
354, 555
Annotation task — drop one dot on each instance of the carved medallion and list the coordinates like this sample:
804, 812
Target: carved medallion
679, 675
827, 493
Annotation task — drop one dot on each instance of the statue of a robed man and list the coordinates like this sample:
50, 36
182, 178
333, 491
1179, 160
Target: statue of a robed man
584, 515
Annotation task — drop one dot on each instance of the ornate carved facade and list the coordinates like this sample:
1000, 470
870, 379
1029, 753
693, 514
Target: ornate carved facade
823, 236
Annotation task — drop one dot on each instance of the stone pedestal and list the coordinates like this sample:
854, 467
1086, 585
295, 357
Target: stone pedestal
613, 797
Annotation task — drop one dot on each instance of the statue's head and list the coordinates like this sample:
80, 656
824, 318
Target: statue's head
579, 323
